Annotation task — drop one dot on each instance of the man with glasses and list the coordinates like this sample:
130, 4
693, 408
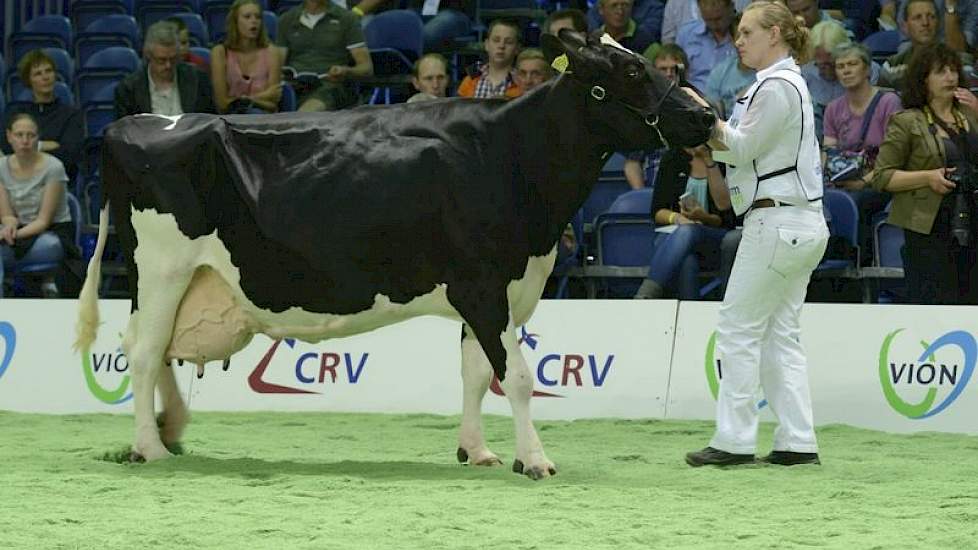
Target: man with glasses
166, 85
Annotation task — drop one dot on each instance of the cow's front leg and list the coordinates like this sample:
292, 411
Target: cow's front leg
174, 418
518, 386
476, 375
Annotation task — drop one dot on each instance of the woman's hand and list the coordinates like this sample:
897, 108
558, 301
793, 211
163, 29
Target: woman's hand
967, 99
938, 182
695, 215
8, 234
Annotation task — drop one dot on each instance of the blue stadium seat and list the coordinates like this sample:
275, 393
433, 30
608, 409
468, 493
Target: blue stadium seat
286, 5
35, 268
636, 201
270, 20
85, 12
103, 68
395, 39
614, 166
97, 117
845, 223
45, 31
882, 44
288, 101
624, 240
215, 15
888, 241
151, 11
603, 194
107, 31
195, 27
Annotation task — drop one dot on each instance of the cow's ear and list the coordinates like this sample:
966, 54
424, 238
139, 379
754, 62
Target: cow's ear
563, 50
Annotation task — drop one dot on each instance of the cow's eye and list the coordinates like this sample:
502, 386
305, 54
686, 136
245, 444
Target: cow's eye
633, 73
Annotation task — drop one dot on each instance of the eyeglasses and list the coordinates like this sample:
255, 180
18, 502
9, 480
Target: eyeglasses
164, 61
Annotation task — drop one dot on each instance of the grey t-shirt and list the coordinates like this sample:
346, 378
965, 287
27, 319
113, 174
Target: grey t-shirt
26, 194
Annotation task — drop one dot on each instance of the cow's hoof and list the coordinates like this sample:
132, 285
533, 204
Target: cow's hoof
483, 457
135, 457
175, 448
535, 473
226, 365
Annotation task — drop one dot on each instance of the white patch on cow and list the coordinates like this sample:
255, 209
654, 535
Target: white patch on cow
607, 40
172, 118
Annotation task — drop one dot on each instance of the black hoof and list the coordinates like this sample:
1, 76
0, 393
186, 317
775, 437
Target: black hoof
227, 364
136, 458
160, 420
552, 470
517, 466
462, 455
200, 374
175, 448
536, 474
180, 362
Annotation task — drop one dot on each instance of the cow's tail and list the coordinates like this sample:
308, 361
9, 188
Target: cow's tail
88, 322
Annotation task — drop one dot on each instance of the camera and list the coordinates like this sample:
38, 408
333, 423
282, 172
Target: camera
965, 187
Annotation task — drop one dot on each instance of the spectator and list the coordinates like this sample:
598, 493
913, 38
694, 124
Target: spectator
569, 18
444, 21
35, 224
819, 73
429, 77
680, 12
246, 69
957, 23
729, 79
183, 43
532, 69
60, 125
847, 128
322, 38
640, 167
697, 223
919, 21
497, 76
165, 86
618, 23
645, 14
808, 10
927, 162
709, 41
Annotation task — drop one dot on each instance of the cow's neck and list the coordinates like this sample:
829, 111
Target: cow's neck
552, 126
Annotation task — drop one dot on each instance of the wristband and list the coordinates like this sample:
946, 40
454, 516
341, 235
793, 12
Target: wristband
357, 10
672, 218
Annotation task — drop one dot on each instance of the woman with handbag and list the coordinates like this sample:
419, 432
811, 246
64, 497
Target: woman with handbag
854, 128
246, 69
927, 162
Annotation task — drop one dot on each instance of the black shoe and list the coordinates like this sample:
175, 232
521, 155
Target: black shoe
788, 458
715, 457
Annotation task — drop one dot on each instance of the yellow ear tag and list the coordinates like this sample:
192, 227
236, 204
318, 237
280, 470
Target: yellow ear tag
560, 63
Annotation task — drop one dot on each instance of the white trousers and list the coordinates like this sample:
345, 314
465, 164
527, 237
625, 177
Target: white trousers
758, 333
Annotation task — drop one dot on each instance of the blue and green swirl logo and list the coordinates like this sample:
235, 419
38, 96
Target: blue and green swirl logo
9, 336
926, 371
102, 364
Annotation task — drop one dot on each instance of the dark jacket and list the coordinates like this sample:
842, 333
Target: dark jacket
670, 184
196, 93
56, 122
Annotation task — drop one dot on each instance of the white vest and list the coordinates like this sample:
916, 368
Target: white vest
791, 171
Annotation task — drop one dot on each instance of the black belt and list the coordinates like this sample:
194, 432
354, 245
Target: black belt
769, 203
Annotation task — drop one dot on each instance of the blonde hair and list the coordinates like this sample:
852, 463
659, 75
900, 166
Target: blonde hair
232, 40
794, 33
828, 34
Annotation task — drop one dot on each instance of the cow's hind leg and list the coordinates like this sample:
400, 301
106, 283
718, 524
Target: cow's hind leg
145, 343
476, 375
175, 416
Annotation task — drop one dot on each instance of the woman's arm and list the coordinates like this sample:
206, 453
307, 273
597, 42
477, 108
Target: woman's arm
8, 220
219, 78
890, 173
268, 98
634, 174
54, 191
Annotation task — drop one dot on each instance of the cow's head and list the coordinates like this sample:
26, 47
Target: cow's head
628, 95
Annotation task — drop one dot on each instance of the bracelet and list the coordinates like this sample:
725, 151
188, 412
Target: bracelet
672, 217
357, 10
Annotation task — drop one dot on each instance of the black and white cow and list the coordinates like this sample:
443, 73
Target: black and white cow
314, 226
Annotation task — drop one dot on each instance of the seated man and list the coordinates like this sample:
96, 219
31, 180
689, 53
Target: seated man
322, 38
166, 86
429, 77
709, 41
497, 76
532, 69
644, 18
570, 18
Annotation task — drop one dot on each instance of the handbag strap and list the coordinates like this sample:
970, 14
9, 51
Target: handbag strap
867, 118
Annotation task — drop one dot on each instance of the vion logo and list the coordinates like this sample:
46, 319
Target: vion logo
9, 336
560, 369
110, 369
310, 369
944, 368
714, 370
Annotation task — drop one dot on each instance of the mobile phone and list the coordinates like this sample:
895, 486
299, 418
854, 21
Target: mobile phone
687, 201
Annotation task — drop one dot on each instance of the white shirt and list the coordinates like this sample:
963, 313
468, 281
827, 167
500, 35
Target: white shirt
767, 133
165, 101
